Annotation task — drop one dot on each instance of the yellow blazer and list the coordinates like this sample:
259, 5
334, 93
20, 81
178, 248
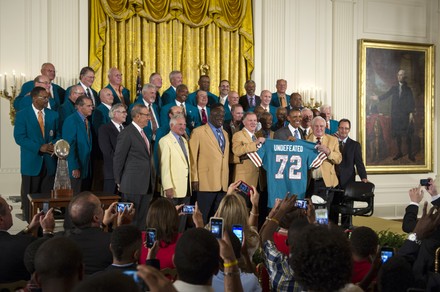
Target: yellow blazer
209, 165
174, 168
335, 157
245, 170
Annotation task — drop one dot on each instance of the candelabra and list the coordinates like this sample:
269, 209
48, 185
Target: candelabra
311, 104
11, 97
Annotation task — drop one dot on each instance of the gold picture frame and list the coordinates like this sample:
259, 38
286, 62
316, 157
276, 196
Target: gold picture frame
396, 118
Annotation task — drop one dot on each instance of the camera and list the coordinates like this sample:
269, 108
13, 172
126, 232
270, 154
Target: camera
216, 227
244, 188
301, 204
150, 237
424, 182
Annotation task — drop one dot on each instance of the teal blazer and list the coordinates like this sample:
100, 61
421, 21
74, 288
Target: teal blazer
125, 94
27, 135
74, 132
100, 117
58, 93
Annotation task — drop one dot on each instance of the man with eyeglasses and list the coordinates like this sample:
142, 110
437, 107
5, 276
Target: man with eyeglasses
119, 92
132, 164
107, 136
56, 91
68, 107
77, 132
14, 246
23, 101
36, 130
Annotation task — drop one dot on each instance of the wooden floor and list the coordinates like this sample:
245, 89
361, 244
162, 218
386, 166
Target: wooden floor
378, 224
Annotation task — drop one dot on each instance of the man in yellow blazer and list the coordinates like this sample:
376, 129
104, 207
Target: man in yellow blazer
209, 153
324, 176
244, 142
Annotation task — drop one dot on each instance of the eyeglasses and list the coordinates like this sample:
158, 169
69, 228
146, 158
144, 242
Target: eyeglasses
43, 97
121, 112
45, 82
147, 115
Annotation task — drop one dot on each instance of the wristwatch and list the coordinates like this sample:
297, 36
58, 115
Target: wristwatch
413, 237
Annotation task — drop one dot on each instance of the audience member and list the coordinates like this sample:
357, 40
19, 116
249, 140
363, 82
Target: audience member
13, 246
169, 95
204, 84
163, 217
364, 242
119, 92
36, 130
58, 265
107, 136
109, 281
280, 98
132, 164
250, 100
125, 245
77, 132
209, 158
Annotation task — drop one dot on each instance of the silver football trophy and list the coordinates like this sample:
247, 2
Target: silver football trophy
62, 187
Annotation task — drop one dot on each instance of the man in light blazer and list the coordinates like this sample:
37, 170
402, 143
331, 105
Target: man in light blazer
37, 164
244, 142
209, 153
175, 165
325, 175
132, 165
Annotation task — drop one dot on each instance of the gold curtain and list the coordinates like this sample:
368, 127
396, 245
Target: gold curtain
172, 35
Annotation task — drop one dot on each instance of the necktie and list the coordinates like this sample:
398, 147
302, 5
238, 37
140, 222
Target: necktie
41, 122
221, 140
400, 90
251, 102
204, 117
86, 123
297, 134
254, 138
153, 120
182, 145
121, 128
283, 102
145, 140
183, 109
341, 146
89, 94
318, 140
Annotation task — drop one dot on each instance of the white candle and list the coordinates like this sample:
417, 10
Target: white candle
22, 79
13, 78
1, 82
6, 81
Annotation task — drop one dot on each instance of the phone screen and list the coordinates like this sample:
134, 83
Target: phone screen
216, 227
45, 207
138, 280
188, 209
301, 204
150, 237
238, 231
244, 188
122, 206
321, 216
386, 254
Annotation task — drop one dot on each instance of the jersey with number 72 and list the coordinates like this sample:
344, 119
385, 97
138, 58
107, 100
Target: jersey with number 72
286, 164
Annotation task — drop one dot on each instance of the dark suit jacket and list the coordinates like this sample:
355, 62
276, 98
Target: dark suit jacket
132, 164
107, 137
284, 133
11, 264
245, 103
351, 157
94, 244
93, 92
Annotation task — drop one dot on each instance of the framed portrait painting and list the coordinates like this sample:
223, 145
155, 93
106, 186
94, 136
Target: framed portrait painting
396, 106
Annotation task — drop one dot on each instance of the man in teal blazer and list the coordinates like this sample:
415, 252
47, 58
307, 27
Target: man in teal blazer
37, 164
78, 133
115, 83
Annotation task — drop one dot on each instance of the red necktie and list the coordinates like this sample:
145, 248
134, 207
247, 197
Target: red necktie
146, 141
204, 117
318, 140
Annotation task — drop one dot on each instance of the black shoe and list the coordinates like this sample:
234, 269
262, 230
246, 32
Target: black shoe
398, 156
412, 158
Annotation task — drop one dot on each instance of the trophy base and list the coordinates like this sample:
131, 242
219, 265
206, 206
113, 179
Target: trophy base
61, 193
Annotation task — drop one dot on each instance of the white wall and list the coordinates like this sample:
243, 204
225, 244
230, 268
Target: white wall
310, 43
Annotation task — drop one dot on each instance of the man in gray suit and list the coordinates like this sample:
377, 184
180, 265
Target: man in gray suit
292, 129
132, 163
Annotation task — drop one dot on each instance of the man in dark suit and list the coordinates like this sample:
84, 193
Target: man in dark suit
13, 246
169, 95
250, 100
36, 130
78, 133
292, 129
120, 93
132, 164
56, 91
351, 158
107, 136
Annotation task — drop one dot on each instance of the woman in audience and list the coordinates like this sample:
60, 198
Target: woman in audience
162, 216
